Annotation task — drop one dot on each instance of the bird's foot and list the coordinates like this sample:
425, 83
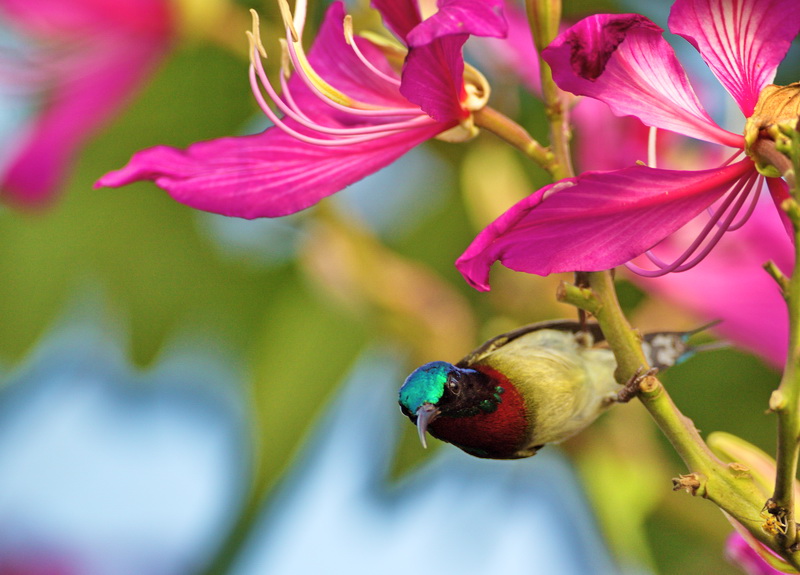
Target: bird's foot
631, 387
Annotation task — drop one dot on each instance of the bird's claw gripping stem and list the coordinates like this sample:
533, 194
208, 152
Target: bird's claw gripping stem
631, 388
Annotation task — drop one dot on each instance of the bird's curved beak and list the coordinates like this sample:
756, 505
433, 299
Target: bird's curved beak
426, 413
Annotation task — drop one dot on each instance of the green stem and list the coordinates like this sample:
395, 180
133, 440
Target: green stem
503, 127
779, 277
785, 401
627, 347
544, 17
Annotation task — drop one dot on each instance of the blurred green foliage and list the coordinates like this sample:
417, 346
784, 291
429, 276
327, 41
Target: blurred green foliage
159, 270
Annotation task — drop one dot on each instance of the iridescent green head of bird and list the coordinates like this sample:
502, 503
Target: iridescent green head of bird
423, 390
440, 390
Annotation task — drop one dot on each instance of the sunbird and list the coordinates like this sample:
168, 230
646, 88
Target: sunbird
538, 384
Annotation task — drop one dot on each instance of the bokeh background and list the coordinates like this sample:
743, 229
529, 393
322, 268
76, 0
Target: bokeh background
186, 393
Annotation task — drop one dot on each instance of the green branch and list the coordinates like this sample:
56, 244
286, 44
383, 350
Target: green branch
507, 129
785, 401
544, 17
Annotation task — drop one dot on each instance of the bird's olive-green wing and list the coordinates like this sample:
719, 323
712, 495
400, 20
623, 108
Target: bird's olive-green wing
499, 341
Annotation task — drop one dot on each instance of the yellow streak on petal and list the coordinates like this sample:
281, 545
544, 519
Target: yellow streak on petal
383, 42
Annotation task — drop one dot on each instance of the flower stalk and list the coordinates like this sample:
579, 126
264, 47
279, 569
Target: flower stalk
544, 17
785, 401
505, 128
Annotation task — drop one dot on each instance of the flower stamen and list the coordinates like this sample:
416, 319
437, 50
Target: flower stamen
331, 95
351, 135
288, 21
303, 67
351, 41
750, 209
651, 147
358, 121
694, 254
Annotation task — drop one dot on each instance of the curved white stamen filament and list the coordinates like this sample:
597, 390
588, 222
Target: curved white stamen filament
339, 141
333, 97
299, 21
303, 67
651, 147
351, 41
286, 93
734, 200
304, 120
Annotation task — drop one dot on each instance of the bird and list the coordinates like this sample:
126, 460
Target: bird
538, 384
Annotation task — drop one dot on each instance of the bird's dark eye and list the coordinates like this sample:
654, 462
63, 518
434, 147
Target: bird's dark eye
454, 383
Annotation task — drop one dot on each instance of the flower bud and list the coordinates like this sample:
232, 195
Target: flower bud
777, 105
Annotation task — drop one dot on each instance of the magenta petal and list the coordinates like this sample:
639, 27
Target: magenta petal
625, 62
596, 221
779, 191
513, 56
336, 61
433, 78
80, 105
118, 44
742, 42
55, 17
266, 175
474, 17
275, 173
746, 558
399, 16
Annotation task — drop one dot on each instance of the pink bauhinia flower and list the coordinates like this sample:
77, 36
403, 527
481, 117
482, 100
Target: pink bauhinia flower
600, 220
752, 310
353, 106
84, 59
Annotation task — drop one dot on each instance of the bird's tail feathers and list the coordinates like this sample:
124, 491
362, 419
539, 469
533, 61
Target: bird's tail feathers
665, 349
